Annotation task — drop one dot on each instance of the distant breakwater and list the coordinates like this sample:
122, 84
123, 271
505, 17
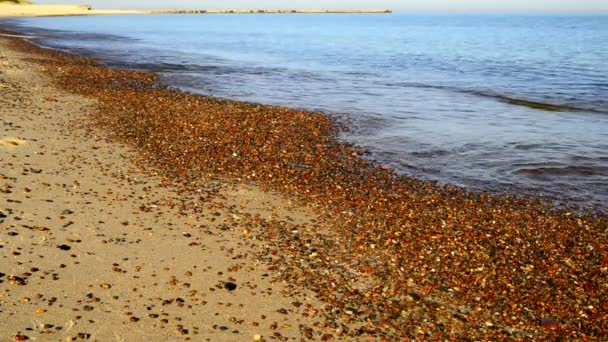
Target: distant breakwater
261, 11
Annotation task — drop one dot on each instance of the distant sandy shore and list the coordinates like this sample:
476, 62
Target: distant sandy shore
56, 10
69, 10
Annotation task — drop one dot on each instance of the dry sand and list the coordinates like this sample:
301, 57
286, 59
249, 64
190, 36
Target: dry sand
91, 248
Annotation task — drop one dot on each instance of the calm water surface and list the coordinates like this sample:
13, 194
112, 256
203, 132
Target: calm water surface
501, 103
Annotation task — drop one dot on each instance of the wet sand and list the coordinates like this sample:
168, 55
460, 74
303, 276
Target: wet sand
158, 193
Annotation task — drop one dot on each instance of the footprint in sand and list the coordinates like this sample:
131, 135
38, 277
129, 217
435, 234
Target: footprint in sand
11, 142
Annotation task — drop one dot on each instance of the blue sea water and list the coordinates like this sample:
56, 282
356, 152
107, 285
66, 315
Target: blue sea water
456, 98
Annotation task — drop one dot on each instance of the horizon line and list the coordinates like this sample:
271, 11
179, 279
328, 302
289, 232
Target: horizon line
409, 11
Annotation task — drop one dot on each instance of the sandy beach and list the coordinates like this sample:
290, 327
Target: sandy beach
22, 10
131, 211
93, 249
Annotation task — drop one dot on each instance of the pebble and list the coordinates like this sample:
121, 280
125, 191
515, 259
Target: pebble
64, 247
230, 286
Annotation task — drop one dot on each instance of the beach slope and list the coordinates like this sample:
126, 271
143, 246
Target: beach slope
92, 248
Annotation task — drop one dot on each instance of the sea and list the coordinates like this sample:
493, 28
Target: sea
503, 103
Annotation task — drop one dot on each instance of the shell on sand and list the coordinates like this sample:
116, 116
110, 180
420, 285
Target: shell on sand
11, 142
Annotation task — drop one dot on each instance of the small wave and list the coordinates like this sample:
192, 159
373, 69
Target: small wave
431, 153
176, 67
546, 106
540, 105
17, 36
528, 146
562, 171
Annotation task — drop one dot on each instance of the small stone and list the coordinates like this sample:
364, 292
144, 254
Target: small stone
105, 286
230, 286
17, 280
64, 247
414, 295
549, 323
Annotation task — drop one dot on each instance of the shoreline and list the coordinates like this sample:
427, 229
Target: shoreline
385, 221
558, 172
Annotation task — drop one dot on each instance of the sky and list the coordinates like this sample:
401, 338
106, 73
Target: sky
592, 6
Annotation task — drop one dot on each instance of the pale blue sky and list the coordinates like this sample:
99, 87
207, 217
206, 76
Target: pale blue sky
399, 5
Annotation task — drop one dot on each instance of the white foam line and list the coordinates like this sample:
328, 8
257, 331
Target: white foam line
16, 36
